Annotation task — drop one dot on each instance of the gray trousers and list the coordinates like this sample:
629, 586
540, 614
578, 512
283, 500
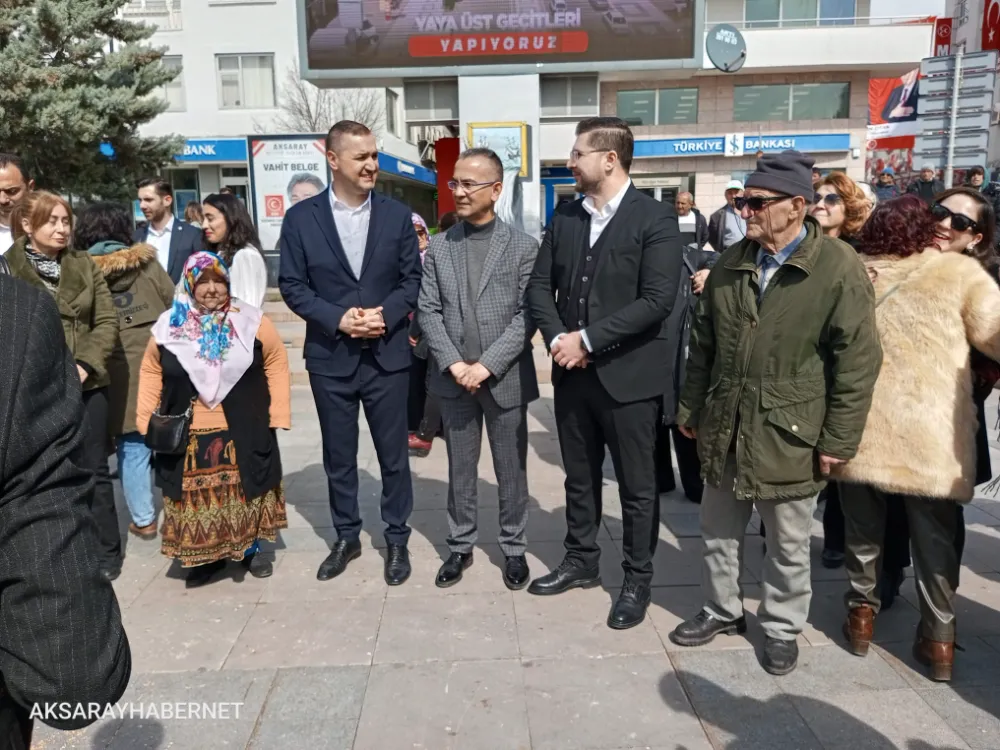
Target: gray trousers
507, 430
787, 588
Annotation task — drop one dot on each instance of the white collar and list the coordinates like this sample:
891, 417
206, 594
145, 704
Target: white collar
335, 201
611, 207
168, 227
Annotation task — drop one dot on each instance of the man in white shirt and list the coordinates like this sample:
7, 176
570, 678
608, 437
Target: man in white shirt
14, 185
174, 240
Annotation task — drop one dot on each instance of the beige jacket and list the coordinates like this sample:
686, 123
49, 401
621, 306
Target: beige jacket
920, 436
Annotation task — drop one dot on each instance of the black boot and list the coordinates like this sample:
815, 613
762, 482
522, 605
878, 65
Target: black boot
451, 571
703, 627
203, 574
567, 576
780, 657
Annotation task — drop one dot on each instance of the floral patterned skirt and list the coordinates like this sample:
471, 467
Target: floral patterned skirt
213, 519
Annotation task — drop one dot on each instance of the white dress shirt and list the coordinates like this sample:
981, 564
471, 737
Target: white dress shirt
352, 228
248, 276
6, 239
161, 241
599, 219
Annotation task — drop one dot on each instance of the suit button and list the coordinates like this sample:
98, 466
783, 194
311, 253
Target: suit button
583, 301
128, 318
585, 279
753, 323
579, 322
589, 258
795, 428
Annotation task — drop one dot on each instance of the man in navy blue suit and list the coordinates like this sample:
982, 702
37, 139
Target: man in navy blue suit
175, 240
350, 266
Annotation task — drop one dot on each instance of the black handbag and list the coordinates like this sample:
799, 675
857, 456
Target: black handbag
168, 433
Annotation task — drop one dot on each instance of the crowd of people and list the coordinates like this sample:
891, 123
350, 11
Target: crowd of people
813, 338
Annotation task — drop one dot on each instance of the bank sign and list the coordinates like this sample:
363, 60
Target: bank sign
738, 144
213, 150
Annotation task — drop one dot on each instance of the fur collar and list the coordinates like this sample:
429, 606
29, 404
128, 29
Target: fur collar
122, 261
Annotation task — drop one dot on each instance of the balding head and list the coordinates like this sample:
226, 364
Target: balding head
684, 203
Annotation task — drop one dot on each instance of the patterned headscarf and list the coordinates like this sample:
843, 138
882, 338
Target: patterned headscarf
418, 221
214, 347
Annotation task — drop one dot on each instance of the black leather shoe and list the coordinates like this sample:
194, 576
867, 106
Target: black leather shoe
630, 609
336, 562
832, 559
703, 627
397, 564
451, 570
567, 576
203, 574
516, 573
258, 565
780, 657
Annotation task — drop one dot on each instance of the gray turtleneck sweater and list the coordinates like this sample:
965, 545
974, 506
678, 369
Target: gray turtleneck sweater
477, 245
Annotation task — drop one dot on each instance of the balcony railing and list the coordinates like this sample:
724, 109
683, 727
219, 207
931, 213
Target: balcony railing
164, 14
805, 23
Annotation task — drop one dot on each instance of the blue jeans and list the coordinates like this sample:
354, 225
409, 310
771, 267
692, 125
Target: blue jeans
134, 470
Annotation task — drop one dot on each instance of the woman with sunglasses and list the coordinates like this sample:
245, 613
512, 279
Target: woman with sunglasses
841, 207
919, 442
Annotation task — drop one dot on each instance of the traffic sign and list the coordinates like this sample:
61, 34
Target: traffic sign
976, 61
980, 101
941, 123
977, 140
971, 83
958, 160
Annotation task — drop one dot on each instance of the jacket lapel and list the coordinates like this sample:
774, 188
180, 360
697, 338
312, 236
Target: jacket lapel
621, 219
581, 240
323, 213
175, 241
374, 229
498, 244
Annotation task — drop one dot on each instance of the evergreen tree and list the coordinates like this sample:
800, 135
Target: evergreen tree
75, 75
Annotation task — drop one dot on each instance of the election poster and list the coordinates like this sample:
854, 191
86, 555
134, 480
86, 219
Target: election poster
284, 169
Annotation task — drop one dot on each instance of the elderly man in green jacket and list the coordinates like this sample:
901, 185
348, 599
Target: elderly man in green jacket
782, 362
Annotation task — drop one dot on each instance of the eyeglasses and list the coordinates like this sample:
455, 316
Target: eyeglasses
757, 202
576, 153
469, 187
830, 199
959, 222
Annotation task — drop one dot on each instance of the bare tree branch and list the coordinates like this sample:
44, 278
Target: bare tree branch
307, 109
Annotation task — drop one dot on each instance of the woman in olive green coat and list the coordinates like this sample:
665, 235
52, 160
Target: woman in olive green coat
42, 226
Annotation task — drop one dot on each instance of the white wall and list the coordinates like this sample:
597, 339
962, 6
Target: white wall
507, 99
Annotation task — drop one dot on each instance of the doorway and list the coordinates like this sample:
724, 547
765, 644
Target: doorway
237, 179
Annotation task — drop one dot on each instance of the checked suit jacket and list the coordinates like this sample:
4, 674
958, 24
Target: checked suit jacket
505, 325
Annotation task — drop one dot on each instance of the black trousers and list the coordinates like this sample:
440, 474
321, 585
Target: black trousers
688, 463
895, 546
588, 419
423, 410
95, 457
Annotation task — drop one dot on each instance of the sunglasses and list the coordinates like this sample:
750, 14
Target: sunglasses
830, 199
959, 222
758, 202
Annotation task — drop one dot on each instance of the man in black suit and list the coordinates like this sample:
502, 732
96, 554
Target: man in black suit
61, 635
175, 240
350, 266
603, 285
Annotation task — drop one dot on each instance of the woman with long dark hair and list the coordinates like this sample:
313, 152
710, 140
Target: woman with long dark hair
230, 234
919, 443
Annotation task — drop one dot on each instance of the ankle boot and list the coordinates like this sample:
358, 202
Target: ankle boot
859, 629
939, 656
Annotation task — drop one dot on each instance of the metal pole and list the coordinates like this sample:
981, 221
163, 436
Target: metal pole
949, 170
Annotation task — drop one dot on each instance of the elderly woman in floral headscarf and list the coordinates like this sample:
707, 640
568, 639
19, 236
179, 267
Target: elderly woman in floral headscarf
224, 491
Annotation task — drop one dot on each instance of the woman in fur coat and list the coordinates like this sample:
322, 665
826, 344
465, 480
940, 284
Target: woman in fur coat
919, 443
141, 290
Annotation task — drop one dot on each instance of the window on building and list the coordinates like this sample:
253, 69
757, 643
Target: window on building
391, 112
764, 13
798, 13
799, 101
431, 100
246, 81
568, 96
761, 13
662, 107
173, 92
836, 12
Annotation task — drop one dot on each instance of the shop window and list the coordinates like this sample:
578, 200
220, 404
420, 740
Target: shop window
568, 96
799, 101
431, 100
245, 81
662, 107
173, 92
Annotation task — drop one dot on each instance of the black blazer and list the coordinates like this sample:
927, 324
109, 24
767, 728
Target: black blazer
632, 293
61, 635
185, 241
317, 282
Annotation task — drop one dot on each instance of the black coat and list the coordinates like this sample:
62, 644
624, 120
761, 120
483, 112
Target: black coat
185, 241
61, 635
633, 291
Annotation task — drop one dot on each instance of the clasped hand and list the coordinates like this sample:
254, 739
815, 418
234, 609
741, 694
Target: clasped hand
470, 377
363, 323
568, 351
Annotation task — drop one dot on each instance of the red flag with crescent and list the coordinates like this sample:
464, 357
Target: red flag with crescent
991, 25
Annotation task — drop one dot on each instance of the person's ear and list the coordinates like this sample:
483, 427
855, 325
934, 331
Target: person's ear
31, 185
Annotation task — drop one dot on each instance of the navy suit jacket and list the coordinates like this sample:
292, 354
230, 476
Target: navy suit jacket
185, 241
317, 282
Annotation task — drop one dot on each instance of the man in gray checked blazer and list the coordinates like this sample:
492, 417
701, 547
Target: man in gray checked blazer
473, 316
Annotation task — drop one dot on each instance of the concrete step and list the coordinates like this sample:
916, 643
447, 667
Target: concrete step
278, 312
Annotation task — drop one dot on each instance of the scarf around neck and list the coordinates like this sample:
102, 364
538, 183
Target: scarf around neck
215, 348
48, 269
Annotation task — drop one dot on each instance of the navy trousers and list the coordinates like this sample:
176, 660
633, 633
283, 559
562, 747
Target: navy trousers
383, 395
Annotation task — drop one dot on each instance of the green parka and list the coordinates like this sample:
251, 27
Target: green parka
795, 372
88, 315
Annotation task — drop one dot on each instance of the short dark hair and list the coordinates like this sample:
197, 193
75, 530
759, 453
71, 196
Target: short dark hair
240, 231
342, 128
485, 153
305, 177
447, 221
977, 170
13, 160
609, 134
103, 222
160, 185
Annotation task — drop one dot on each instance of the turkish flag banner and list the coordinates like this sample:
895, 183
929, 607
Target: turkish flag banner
991, 25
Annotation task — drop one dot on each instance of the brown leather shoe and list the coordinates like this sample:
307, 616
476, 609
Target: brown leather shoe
143, 532
859, 629
938, 655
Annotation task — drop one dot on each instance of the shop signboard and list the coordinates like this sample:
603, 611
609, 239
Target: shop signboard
284, 169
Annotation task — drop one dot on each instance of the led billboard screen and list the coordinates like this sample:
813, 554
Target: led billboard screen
352, 36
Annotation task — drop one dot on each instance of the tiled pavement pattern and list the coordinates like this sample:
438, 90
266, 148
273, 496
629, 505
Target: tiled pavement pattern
352, 664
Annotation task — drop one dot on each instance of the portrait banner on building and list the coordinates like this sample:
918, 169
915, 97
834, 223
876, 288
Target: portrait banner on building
284, 169
892, 107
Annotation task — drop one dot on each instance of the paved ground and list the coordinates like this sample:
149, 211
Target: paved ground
352, 664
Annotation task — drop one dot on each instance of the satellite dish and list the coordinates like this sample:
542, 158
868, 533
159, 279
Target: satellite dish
726, 48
